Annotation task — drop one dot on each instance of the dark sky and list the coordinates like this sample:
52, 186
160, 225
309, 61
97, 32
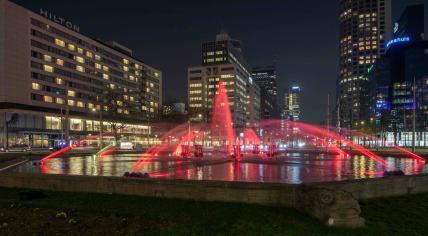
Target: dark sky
300, 36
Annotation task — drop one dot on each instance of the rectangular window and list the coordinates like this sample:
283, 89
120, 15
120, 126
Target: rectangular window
97, 66
80, 68
47, 58
71, 102
80, 50
60, 62
71, 93
105, 76
79, 59
105, 68
126, 62
76, 124
59, 81
60, 42
71, 47
80, 104
125, 68
47, 99
36, 86
89, 54
97, 57
48, 68
52, 122
59, 100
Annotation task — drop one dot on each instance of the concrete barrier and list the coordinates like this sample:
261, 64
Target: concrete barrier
334, 203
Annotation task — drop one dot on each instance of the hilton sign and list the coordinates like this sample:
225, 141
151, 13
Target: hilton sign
59, 20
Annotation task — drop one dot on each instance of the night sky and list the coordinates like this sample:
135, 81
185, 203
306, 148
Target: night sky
299, 36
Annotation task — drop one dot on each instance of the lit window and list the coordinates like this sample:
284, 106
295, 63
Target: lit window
60, 62
125, 68
59, 100
105, 76
71, 47
112, 86
132, 98
80, 59
59, 42
97, 57
47, 99
71, 102
210, 53
80, 68
105, 68
126, 62
71, 93
80, 104
80, 50
47, 58
98, 66
36, 86
48, 68
90, 105
59, 81
131, 77
89, 54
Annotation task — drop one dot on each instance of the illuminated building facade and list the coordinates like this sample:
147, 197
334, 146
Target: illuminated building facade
222, 61
364, 28
292, 107
265, 78
57, 83
398, 72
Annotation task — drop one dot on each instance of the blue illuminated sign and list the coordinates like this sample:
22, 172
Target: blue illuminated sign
398, 40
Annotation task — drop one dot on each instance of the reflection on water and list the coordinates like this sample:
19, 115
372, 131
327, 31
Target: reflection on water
290, 168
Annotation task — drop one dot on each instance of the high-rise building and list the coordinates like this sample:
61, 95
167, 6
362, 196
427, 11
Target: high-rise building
265, 78
222, 60
364, 28
410, 24
399, 78
56, 83
292, 107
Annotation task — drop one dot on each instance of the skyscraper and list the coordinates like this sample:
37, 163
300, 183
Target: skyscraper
265, 78
365, 28
222, 60
292, 108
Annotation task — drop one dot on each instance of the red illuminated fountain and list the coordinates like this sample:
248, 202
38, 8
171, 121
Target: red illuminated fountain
268, 138
221, 119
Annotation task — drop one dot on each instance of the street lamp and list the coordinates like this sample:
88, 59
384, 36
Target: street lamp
100, 135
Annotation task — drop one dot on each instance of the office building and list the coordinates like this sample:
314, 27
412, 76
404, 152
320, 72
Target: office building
222, 60
399, 80
364, 29
266, 79
56, 83
292, 107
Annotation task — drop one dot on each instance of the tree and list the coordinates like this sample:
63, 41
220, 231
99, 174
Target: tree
12, 121
113, 100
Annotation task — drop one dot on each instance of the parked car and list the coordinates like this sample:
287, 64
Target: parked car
16, 148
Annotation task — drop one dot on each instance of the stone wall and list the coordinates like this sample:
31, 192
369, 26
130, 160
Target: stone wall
333, 203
